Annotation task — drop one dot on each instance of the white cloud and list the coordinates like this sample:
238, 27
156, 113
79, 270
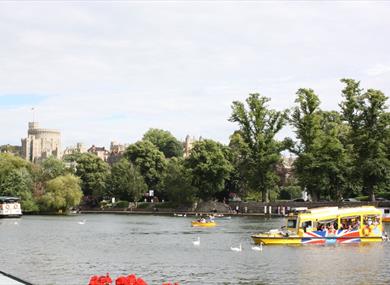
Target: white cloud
111, 70
378, 70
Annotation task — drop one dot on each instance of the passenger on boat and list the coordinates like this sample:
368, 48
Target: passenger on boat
331, 229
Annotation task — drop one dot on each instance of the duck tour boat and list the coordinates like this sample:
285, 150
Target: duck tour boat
327, 225
10, 207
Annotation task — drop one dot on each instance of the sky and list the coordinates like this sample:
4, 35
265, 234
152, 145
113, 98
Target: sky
103, 71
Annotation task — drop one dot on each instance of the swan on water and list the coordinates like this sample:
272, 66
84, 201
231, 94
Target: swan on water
196, 242
258, 248
81, 222
236, 248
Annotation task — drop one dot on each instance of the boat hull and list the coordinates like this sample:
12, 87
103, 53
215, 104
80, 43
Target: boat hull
386, 219
203, 225
315, 238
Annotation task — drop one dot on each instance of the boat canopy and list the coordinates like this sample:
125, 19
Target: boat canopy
331, 213
8, 199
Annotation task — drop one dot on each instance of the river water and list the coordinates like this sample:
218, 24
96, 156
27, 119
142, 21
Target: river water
59, 250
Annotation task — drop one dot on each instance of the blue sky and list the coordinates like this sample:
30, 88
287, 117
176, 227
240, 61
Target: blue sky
102, 71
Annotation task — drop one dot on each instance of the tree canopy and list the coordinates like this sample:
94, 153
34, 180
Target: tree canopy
165, 142
149, 160
260, 151
126, 181
209, 168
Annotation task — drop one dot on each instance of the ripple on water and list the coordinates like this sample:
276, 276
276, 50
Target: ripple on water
160, 249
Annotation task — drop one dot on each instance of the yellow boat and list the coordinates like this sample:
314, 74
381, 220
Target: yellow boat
328, 225
204, 224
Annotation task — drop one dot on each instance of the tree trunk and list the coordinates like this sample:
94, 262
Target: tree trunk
264, 196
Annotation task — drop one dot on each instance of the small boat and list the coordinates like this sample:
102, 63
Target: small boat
204, 223
385, 215
10, 207
328, 225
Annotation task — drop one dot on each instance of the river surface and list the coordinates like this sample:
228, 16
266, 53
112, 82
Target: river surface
60, 250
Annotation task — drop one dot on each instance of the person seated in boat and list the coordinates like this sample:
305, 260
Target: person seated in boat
321, 227
331, 229
202, 220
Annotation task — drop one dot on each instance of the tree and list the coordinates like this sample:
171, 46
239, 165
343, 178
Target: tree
209, 168
93, 173
165, 142
177, 183
260, 151
149, 160
323, 162
52, 167
368, 119
61, 193
18, 183
16, 180
126, 182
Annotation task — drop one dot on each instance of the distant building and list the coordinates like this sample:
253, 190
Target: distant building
116, 152
188, 145
101, 152
79, 148
285, 169
40, 143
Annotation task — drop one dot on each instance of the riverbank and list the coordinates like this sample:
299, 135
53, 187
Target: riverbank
276, 209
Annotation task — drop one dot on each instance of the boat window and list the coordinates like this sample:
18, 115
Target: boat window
327, 225
307, 224
291, 223
350, 223
371, 220
387, 211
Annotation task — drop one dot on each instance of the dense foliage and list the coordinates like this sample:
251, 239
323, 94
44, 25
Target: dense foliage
165, 142
335, 154
259, 150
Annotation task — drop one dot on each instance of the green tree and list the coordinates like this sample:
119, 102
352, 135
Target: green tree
177, 183
126, 182
149, 160
368, 119
52, 167
209, 168
16, 180
93, 173
323, 165
165, 142
18, 183
61, 193
260, 150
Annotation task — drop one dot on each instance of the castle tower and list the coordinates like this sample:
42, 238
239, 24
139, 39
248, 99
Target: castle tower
41, 143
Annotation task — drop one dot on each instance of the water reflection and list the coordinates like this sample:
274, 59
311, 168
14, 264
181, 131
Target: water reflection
58, 250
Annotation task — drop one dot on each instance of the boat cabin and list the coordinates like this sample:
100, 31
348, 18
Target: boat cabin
363, 220
10, 207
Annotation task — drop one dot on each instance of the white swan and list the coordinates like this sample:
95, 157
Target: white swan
81, 222
236, 248
196, 242
258, 248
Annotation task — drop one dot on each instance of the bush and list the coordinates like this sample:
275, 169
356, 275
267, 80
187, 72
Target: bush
362, 198
143, 205
121, 204
385, 195
165, 205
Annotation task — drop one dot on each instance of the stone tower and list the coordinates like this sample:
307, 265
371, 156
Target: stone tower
41, 143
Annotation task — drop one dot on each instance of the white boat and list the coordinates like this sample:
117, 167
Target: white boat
10, 207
